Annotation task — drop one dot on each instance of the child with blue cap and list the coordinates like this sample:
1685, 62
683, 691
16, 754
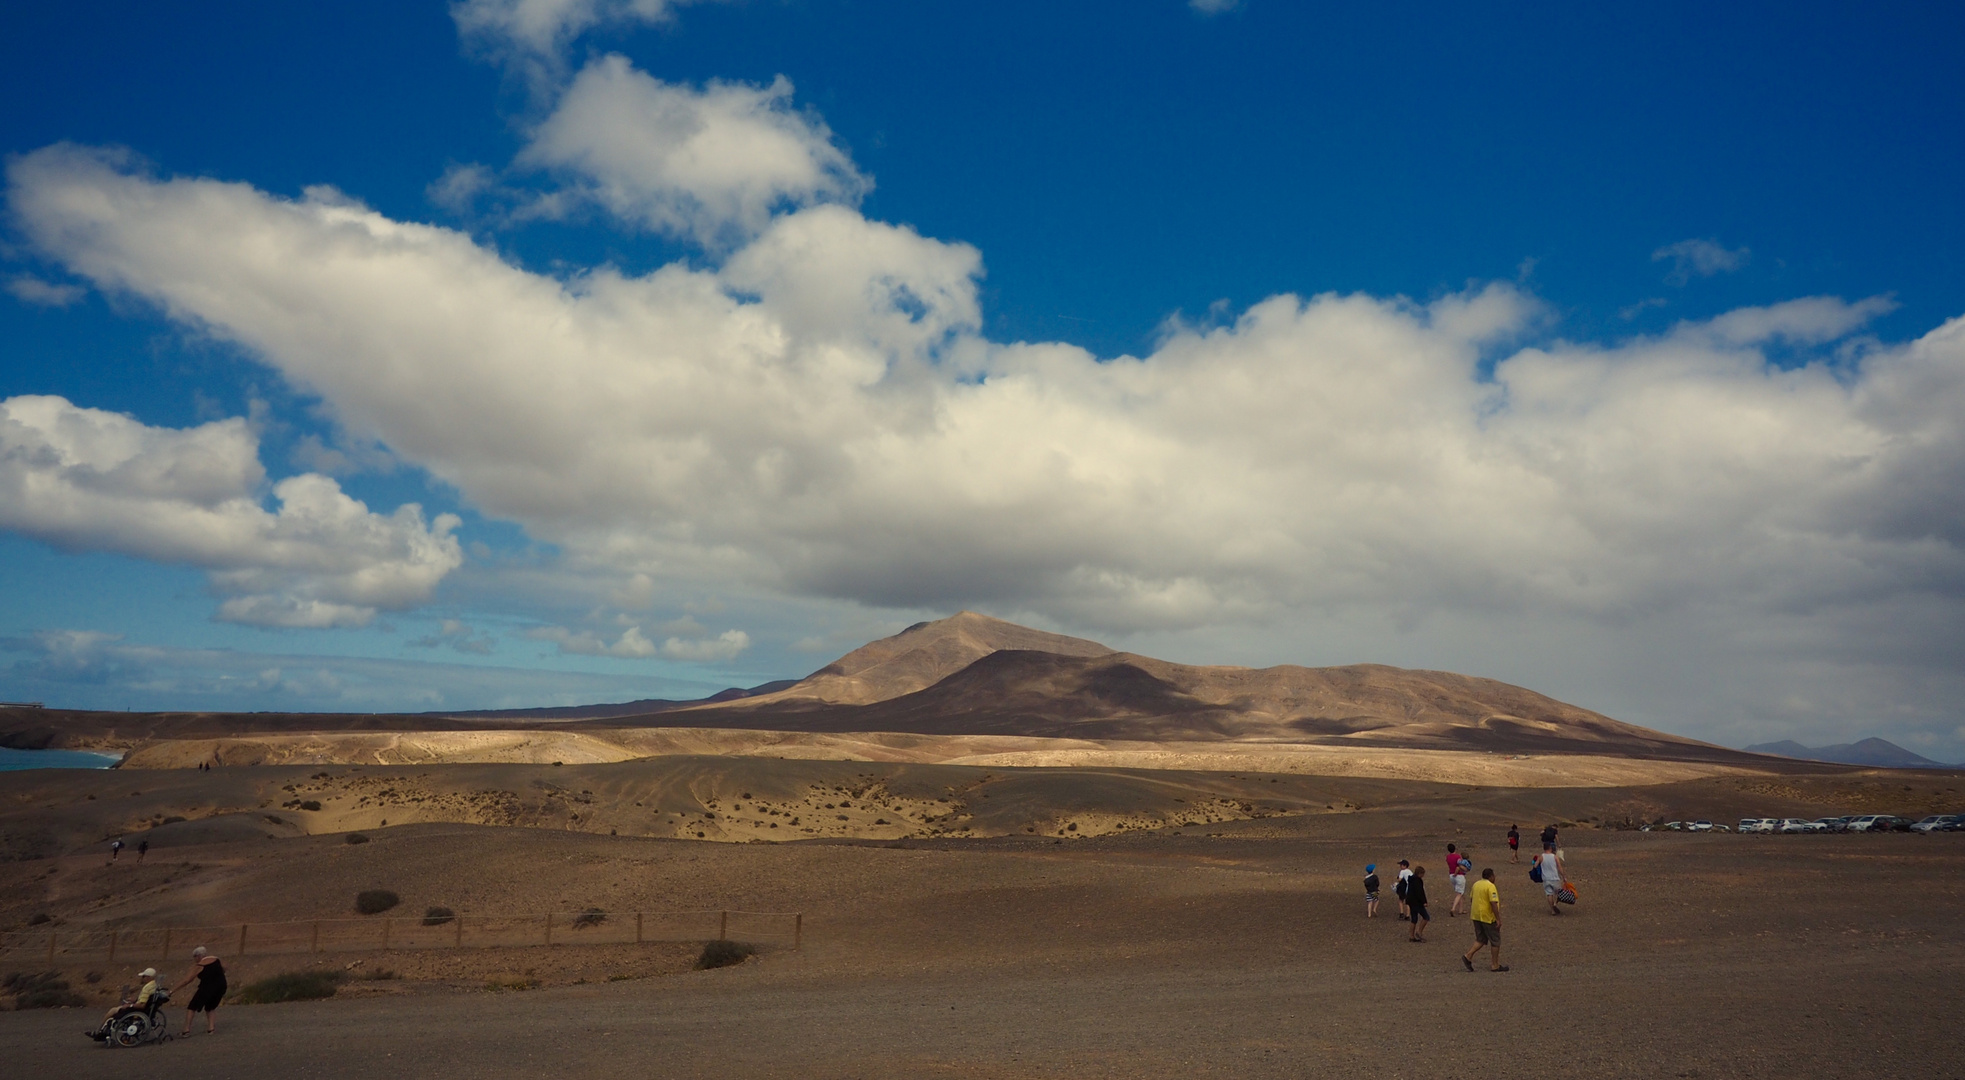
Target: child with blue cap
1371, 890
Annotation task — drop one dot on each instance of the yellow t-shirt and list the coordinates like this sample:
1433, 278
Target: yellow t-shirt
1485, 897
143, 995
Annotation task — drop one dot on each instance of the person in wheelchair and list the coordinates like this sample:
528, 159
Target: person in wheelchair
144, 1001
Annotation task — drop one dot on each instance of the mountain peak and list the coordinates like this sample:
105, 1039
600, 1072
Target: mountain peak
924, 654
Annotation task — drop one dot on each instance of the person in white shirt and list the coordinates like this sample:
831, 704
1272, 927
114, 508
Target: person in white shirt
1551, 864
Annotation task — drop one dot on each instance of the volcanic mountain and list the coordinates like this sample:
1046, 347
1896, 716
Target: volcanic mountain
975, 675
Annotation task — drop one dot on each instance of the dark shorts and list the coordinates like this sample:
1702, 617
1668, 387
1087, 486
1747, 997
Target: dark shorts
1420, 914
207, 998
1487, 933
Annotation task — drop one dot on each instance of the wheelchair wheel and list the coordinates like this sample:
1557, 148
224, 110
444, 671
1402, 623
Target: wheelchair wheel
130, 1033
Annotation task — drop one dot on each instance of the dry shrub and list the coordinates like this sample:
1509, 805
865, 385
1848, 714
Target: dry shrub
48, 990
375, 901
718, 954
292, 986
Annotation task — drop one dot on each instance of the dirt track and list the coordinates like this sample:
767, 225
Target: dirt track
1242, 954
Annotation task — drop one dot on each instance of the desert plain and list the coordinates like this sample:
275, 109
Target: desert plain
1174, 892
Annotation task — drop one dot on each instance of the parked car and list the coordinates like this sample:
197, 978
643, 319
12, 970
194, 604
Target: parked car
1934, 823
1832, 824
1801, 825
1868, 823
1768, 824
1701, 825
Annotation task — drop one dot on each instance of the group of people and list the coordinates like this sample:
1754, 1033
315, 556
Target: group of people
1481, 902
116, 848
209, 973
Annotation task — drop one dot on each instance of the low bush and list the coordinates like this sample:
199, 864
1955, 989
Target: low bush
292, 986
40, 918
437, 916
375, 901
357, 838
511, 984
48, 990
593, 916
718, 954
310, 804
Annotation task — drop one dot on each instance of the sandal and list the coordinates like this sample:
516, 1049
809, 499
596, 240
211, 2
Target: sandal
1469, 963
1503, 967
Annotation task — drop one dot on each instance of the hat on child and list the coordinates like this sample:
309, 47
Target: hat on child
1369, 867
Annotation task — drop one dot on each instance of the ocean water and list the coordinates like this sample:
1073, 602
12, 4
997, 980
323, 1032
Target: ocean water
11, 760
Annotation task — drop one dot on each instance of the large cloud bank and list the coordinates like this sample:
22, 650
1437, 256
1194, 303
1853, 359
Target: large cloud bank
820, 415
87, 479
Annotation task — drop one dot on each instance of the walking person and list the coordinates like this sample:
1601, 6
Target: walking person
1400, 886
1486, 917
210, 974
1371, 891
1514, 844
1456, 872
1549, 837
1416, 903
1551, 866
115, 848
142, 848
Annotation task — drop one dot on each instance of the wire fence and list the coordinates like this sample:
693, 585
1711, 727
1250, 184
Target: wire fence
57, 946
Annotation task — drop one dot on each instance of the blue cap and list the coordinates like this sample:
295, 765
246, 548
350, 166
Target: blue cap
1369, 867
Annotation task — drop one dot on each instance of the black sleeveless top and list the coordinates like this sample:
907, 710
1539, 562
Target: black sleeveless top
211, 976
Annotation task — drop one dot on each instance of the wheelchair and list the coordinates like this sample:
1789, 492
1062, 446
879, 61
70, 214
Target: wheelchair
134, 1027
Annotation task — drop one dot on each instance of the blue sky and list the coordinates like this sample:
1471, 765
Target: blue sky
1603, 352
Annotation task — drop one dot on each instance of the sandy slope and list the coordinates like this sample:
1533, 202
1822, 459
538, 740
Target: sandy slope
588, 747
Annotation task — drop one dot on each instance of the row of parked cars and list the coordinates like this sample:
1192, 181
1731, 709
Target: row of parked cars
1846, 823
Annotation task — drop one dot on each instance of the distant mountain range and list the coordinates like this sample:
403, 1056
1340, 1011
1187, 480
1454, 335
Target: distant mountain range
1877, 753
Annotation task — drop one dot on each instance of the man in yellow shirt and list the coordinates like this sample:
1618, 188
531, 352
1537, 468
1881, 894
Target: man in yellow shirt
1485, 914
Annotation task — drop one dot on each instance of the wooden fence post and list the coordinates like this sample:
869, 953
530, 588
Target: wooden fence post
637, 927
241, 950
317, 935
723, 927
112, 946
797, 931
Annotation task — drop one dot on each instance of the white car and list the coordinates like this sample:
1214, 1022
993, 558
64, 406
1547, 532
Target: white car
1935, 823
1796, 825
1752, 824
1702, 825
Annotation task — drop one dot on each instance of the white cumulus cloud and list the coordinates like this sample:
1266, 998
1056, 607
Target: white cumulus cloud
534, 36
91, 480
711, 164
